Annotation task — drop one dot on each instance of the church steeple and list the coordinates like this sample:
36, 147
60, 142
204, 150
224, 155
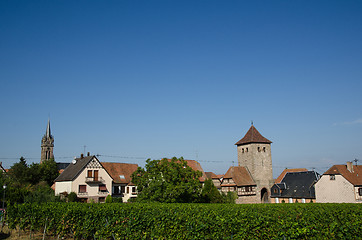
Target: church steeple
47, 145
48, 135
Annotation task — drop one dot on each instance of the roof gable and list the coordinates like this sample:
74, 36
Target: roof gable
252, 136
354, 177
74, 169
240, 176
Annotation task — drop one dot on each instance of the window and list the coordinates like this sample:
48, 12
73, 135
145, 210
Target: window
115, 190
263, 149
258, 149
133, 189
332, 177
89, 174
360, 191
275, 190
82, 189
247, 150
247, 189
102, 188
123, 189
122, 177
242, 150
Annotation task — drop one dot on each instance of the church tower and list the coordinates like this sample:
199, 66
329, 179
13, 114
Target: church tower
47, 145
254, 153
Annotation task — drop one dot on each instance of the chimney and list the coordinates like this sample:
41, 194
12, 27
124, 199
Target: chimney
88, 154
350, 166
81, 155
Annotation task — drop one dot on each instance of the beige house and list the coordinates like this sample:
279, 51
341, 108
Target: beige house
91, 179
340, 184
239, 180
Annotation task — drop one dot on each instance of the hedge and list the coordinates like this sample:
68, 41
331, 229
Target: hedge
190, 221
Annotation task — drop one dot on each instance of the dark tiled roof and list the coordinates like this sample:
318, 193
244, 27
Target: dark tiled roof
281, 176
240, 175
73, 170
354, 177
297, 185
62, 166
252, 136
117, 170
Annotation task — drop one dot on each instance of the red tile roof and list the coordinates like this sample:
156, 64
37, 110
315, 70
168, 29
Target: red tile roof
240, 175
196, 166
354, 177
282, 175
252, 136
116, 170
211, 175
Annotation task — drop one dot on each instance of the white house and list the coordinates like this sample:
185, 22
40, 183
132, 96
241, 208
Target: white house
340, 184
91, 179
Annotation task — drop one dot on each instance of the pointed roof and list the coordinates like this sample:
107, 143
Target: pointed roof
252, 136
48, 133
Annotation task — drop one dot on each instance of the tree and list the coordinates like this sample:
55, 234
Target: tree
210, 194
168, 181
49, 171
19, 172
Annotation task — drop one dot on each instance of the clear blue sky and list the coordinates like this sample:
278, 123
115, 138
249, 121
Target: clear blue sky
153, 79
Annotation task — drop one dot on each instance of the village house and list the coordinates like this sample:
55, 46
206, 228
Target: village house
340, 184
294, 185
239, 180
92, 180
215, 179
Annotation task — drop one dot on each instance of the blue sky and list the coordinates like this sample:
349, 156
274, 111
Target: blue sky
153, 79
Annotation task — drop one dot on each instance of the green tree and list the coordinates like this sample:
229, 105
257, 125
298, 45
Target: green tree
168, 181
19, 172
210, 194
49, 171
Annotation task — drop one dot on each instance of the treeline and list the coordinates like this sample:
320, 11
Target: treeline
29, 182
189, 221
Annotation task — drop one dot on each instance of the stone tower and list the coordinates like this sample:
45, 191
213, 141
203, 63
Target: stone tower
47, 145
254, 153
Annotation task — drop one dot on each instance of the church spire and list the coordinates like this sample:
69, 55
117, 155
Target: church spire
47, 145
48, 134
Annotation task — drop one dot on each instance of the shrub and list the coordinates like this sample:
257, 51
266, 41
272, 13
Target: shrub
72, 197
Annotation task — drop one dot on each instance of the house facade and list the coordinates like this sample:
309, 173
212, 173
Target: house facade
238, 180
295, 186
92, 180
340, 184
215, 179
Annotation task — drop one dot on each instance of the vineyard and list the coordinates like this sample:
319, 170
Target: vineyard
189, 221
